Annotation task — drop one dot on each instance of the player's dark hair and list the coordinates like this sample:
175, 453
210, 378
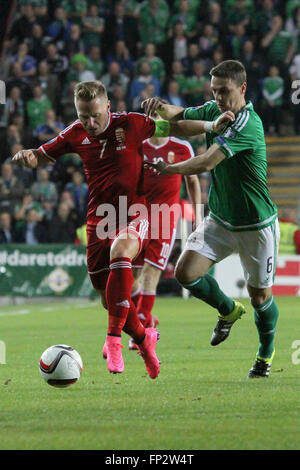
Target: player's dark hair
230, 69
87, 91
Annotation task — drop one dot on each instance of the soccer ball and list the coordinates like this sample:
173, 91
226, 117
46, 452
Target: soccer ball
60, 365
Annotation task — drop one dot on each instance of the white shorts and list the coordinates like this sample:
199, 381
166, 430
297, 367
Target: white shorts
258, 249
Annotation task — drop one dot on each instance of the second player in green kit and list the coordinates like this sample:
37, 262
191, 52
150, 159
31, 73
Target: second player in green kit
242, 217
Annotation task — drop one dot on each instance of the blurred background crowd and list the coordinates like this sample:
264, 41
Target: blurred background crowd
139, 49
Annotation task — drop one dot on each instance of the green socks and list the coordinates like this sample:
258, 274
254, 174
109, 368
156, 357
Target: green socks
207, 289
265, 317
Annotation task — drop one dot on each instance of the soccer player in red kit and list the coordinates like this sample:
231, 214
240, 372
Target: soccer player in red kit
110, 146
162, 190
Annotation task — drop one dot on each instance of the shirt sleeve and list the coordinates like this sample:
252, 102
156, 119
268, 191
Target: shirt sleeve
56, 147
237, 138
144, 126
195, 113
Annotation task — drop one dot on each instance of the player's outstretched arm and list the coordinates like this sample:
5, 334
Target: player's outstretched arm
189, 128
199, 164
31, 158
165, 110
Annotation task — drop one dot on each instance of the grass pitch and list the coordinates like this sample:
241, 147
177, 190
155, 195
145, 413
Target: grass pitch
202, 398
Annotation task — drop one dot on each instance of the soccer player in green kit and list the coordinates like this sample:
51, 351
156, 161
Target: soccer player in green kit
242, 216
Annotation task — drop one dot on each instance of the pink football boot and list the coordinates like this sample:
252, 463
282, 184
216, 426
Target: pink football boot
147, 351
115, 363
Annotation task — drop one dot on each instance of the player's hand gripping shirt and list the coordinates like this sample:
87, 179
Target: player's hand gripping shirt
239, 197
112, 161
164, 189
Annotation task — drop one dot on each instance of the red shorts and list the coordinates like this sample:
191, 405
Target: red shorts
156, 252
98, 250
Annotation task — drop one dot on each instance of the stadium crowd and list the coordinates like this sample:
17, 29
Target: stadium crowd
139, 49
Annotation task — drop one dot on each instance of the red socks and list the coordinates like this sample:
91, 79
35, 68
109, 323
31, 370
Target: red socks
133, 326
145, 306
121, 309
136, 295
118, 294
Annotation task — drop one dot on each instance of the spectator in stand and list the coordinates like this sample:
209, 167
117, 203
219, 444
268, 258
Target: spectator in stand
14, 105
23, 130
23, 174
37, 43
290, 6
238, 12
252, 63
156, 64
59, 28
207, 93
194, 86
154, 16
217, 58
48, 82
95, 63
208, 40
39, 7
11, 189
93, 27
146, 93
114, 77
192, 57
144, 78
50, 129
37, 107
117, 95
16, 79
74, 44
178, 74
67, 109
237, 40
22, 27
63, 224
289, 232
79, 190
21, 209
58, 63
7, 230
33, 230
121, 106
173, 95
79, 71
13, 137
273, 88
293, 27
27, 62
215, 16
76, 11
121, 27
262, 21
177, 45
279, 44
122, 56
185, 15
45, 192
67, 197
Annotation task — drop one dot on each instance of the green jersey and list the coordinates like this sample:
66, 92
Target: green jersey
239, 197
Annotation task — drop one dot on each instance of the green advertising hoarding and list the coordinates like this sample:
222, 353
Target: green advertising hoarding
44, 270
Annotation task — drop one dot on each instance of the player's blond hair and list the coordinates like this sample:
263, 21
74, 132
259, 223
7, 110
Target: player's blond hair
87, 91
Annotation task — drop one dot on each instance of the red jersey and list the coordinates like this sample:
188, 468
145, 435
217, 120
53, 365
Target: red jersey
161, 189
112, 161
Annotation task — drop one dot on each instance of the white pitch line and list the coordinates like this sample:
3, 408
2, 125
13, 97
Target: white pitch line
18, 312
